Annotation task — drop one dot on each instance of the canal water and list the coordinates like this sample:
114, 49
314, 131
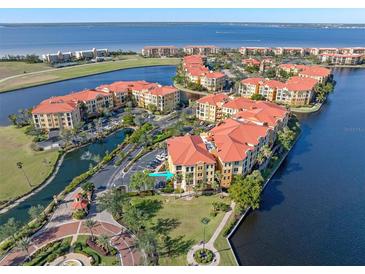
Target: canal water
78, 161
11, 102
75, 163
313, 210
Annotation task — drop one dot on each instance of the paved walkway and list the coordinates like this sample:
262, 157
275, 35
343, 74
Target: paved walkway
210, 244
62, 225
80, 259
124, 242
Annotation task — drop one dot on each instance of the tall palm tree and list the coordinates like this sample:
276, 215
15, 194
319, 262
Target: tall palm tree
103, 242
266, 151
24, 244
90, 224
20, 166
189, 179
147, 241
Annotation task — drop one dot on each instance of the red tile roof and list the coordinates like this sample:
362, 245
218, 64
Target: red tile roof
214, 75
193, 59
273, 83
85, 95
252, 81
188, 150
54, 106
296, 83
120, 86
197, 71
234, 138
163, 90
315, 71
214, 99
251, 61
240, 103
80, 204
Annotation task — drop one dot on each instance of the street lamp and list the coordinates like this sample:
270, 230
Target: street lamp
204, 221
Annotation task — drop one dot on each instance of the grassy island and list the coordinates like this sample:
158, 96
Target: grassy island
13, 79
36, 165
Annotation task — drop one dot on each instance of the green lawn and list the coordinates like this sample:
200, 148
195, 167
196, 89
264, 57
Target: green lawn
104, 260
221, 244
189, 214
82, 70
15, 147
8, 69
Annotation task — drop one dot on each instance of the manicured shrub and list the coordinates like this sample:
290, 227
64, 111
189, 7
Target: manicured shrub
203, 256
79, 214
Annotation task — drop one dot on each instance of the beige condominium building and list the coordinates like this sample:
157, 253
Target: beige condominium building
92, 102
56, 113
209, 108
235, 145
160, 51
201, 50
297, 91
121, 92
213, 81
190, 161
234, 142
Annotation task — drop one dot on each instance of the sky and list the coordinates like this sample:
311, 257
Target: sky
354, 16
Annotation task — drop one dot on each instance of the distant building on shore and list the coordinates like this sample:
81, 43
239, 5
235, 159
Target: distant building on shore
59, 57
348, 55
200, 50
341, 59
65, 57
91, 54
160, 51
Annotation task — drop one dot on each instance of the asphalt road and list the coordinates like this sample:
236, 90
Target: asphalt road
114, 176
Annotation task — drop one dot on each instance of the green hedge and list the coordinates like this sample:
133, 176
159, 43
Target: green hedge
50, 252
83, 249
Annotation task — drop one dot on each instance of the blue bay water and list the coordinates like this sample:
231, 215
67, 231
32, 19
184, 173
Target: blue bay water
44, 38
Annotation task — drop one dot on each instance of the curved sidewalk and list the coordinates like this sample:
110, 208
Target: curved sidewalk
124, 242
210, 244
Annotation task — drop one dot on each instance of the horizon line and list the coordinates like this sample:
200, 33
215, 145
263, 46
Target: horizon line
181, 22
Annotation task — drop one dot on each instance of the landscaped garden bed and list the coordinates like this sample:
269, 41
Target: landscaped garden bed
89, 248
50, 252
204, 256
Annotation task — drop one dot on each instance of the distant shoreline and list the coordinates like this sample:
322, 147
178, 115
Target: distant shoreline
282, 24
77, 72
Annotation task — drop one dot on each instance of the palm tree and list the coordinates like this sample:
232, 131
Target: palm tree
189, 177
9, 229
24, 244
103, 242
218, 179
20, 166
113, 201
266, 151
90, 224
147, 241
260, 158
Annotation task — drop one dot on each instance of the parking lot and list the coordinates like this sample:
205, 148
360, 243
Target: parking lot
142, 164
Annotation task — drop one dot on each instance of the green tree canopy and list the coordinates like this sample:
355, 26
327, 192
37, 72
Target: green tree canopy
9, 229
35, 211
245, 191
113, 201
286, 137
258, 97
141, 181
